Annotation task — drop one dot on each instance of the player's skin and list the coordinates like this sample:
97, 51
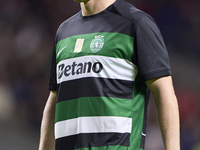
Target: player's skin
161, 88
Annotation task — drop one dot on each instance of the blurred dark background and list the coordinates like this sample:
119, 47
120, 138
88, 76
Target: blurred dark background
27, 30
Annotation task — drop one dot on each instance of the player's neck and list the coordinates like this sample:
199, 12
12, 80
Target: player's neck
95, 6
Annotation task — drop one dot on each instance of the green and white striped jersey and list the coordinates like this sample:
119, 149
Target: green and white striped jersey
99, 67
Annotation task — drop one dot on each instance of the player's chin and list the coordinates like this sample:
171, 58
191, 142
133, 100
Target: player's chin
79, 1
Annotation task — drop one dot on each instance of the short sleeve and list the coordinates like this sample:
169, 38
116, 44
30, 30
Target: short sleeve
52, 82
151, 53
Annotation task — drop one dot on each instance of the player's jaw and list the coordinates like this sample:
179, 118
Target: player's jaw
79, 1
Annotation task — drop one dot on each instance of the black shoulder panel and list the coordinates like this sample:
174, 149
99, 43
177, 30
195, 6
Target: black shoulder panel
129, 11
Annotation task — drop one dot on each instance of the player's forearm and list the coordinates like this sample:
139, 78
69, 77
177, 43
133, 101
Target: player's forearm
47, 139
168, 118
167, 110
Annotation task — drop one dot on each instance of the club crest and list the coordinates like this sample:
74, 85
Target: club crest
97, 43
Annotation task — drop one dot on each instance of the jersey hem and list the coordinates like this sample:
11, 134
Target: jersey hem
52, 87
158, 74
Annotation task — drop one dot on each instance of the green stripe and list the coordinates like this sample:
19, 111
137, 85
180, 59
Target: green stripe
138, 111
93, 106
116, 45
110, 147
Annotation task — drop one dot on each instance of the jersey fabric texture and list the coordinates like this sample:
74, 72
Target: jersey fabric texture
99, 67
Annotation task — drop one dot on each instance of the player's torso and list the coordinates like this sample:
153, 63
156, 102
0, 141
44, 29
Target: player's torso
99, 46
95, 77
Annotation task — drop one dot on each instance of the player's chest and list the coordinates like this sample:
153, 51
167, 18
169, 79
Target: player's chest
109, 44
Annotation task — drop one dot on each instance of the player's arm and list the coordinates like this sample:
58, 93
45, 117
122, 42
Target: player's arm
47, 140
167, 111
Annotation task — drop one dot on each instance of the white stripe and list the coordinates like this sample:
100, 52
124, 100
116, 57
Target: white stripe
113, 68
144, 134
93, 125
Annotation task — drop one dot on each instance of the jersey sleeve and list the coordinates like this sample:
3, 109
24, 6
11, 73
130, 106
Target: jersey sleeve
52, 82
151, 53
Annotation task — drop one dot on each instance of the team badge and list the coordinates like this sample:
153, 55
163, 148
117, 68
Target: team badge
97, 43
78, 45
